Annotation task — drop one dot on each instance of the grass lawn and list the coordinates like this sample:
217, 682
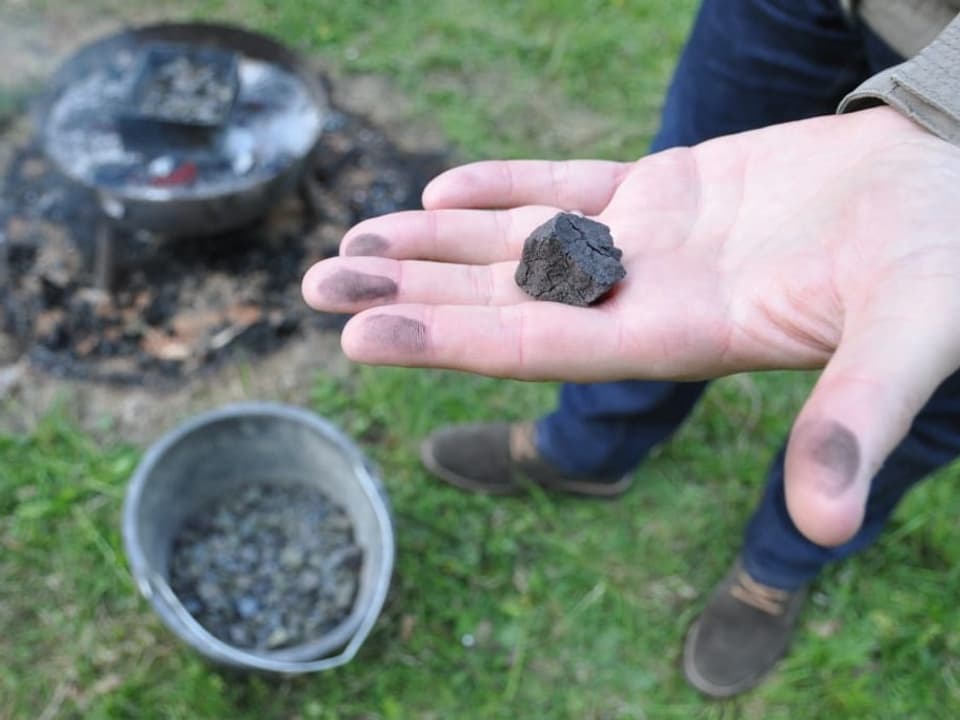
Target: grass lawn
542, 607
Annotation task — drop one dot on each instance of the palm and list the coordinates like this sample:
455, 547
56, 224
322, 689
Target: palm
748, 252
825, 242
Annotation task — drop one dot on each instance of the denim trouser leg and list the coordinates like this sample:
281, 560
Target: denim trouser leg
748, 64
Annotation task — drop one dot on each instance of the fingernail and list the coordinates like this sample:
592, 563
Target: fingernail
352, 287
404, 334
368, 244
836, 449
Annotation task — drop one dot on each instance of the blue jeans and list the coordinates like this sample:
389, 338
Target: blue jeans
748, 64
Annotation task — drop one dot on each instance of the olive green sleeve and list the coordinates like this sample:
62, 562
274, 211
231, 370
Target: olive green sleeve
925, 88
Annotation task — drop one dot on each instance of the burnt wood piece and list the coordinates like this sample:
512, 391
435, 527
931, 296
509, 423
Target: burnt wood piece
105, 256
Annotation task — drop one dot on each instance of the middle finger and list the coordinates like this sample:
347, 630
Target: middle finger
352, 284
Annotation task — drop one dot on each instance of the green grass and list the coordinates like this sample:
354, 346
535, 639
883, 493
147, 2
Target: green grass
502, 76
576, 609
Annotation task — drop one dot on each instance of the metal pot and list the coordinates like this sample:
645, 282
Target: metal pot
195, 215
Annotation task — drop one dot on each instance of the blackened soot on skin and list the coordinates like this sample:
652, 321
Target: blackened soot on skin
353, 287
368, 244
834, 447
398, 333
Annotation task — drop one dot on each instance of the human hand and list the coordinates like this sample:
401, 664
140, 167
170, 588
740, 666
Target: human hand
827, 242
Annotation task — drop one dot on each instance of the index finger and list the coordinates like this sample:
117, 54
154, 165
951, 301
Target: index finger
458, 236
584, 185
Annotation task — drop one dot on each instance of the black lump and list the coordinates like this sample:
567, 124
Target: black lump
570, 259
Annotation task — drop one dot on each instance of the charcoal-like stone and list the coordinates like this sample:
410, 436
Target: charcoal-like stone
309, 580
278, 638
291, 558
239, 635
268, 566
570, 259
247, 606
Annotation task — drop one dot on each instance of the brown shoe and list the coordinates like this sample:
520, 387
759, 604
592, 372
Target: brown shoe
502, 459
744, 630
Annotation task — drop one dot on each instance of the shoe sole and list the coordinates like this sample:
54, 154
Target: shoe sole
574, 487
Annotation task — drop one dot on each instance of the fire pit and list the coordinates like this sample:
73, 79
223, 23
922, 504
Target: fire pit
167, 231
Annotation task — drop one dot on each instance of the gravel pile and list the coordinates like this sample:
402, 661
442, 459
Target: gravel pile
269, 567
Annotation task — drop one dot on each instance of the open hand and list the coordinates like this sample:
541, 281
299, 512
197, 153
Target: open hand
832, 242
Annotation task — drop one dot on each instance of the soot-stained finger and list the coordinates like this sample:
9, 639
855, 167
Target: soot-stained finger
475, 237
353, 284
530, 340
835, 448
348, 286
367, 244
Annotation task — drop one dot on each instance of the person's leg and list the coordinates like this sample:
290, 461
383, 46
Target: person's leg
750, 616
747, 64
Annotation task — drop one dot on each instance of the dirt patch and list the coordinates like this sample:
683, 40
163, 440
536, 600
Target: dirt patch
140, 415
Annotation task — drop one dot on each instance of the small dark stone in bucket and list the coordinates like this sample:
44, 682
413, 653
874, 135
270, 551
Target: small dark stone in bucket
268, 567
570, 259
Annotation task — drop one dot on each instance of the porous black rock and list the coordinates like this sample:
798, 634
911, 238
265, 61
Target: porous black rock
570, 259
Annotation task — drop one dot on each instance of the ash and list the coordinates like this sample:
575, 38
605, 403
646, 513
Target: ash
187, 87
269, 567
187, 306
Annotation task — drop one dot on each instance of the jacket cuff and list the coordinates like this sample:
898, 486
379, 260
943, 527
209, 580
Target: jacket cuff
925, 88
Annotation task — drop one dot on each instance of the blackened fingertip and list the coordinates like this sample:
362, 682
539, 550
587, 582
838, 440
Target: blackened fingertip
399, 333
835, 448
353, 287
369, 244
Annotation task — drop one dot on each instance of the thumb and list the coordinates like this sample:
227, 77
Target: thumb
880, 377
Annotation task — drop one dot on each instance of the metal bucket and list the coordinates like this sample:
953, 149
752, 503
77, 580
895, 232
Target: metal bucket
203, 459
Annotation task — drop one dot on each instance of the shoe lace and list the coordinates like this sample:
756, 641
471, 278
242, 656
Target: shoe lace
767, 599
523, 445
